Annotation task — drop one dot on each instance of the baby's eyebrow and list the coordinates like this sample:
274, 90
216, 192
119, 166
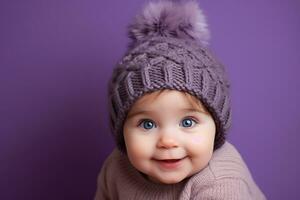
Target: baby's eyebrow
139, 112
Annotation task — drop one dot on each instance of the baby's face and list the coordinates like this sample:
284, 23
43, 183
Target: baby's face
166, 139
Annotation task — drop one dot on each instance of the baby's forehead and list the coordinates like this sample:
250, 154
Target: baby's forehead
168, 100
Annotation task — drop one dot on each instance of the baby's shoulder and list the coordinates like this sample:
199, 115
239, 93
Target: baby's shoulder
113, 158
110, 164
226, 174
227, 162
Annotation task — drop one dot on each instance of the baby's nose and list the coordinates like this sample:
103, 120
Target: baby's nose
167, 140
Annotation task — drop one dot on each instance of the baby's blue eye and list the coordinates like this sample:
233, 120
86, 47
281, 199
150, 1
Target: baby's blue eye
187, 122
147, 124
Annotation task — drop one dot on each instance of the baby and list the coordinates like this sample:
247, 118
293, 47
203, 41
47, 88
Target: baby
169, 111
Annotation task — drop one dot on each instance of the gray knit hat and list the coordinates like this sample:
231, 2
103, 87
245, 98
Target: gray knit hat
168, 51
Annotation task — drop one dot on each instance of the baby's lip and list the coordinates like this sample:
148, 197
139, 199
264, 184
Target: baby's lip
169, 159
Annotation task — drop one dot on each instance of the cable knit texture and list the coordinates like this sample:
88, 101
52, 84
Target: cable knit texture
226, 177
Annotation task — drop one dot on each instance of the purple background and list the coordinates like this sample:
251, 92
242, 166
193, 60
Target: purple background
57, 56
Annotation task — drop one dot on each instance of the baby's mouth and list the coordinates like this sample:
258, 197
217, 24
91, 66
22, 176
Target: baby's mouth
170, 160
169, 163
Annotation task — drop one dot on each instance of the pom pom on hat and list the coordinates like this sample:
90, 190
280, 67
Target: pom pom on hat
177, 19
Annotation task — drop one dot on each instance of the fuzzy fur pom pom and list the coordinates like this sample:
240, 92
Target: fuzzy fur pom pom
177, 19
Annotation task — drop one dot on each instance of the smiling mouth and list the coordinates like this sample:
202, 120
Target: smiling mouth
170, 160
169, 163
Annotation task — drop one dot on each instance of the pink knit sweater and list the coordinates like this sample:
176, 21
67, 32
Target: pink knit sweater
225, 177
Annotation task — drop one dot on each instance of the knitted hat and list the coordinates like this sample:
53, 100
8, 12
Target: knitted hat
168, 51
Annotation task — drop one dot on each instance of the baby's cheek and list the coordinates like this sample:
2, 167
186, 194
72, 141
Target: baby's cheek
199, 144
194, 145
200, 151
135, 146
197, 139
140, 145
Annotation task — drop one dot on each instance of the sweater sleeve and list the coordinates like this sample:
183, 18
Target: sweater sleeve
225, 188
